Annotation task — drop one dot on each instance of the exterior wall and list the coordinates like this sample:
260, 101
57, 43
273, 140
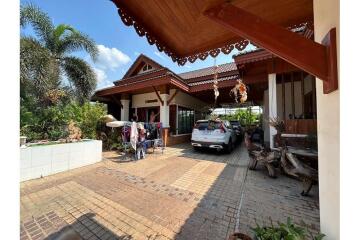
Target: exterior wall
182, 99
172, 140
297, 97
185, 100
40, 161
288, 110
139, 100
326, 16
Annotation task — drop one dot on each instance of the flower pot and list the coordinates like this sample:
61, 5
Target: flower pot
239, 236
22, 141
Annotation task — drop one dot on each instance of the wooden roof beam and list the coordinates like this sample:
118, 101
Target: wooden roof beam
172, 97
158, 96
317, 59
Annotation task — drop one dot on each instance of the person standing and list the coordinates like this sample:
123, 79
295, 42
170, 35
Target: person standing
153, 117
134, 117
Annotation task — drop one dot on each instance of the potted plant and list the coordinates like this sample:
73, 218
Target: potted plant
239, 236
284, 231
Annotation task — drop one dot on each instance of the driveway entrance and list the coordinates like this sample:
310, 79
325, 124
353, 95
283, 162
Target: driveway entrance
181, 194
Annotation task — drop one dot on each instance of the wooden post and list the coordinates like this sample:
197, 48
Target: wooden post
292, 95
283, 95
315, 58
302, 94
313, 86
158, 96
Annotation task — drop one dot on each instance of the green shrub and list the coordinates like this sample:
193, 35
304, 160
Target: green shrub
50, 123
86, 116
284, 231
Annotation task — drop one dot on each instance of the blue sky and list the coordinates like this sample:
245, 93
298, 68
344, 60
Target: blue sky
119, 45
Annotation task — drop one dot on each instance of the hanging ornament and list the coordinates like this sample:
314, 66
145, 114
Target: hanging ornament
216, 88
239, 92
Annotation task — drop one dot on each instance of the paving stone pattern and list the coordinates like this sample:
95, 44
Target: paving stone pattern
180, 194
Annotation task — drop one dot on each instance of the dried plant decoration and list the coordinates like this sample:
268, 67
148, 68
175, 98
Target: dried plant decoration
239, 92
277, 123
216, 88
74, 132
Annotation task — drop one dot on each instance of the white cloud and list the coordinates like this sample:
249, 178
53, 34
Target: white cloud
109, 65
110, 58
160, 55
187, 66
100, 74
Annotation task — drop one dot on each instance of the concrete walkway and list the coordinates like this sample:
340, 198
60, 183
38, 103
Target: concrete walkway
180, 194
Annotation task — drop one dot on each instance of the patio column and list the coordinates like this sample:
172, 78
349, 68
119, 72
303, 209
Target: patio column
124, 116
164, 110
272, 105
326, 16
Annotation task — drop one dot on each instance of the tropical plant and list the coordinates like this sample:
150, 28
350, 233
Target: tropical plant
284, 231
46, 62
51, 122
246, 117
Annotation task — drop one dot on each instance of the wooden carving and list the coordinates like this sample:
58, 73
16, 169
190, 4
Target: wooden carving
258, 154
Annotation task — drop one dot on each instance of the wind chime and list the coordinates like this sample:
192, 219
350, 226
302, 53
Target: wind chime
239, 91
216, 89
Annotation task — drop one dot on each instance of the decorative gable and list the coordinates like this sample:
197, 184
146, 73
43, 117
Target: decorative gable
141, 65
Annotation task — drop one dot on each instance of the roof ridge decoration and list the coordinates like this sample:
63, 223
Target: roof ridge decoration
129, 20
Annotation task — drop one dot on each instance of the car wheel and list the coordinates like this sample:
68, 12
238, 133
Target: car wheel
196, 148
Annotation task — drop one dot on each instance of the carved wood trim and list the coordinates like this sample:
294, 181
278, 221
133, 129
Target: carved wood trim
317, 59
158, 96
129, 20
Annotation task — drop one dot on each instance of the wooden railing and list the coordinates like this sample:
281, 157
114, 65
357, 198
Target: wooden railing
301, 126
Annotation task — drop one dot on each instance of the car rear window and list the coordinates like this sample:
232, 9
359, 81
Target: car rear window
209, 125
235, 123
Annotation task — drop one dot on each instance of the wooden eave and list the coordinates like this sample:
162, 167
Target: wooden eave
182, 31
146, 83
194, 29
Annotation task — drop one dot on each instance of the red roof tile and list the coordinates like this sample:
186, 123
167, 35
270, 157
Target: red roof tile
208, 71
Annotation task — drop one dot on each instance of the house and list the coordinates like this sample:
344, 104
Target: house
181, 99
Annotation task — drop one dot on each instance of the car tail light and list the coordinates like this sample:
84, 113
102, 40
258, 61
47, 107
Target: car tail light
195, 130
222, 129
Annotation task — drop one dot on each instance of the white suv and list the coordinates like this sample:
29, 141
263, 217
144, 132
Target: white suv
216, 134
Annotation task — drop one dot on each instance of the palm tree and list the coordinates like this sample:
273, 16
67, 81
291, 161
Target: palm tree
47, 68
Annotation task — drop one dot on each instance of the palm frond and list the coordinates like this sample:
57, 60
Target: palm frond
81, 76
39, 71
59, 32
40, 21
77, 41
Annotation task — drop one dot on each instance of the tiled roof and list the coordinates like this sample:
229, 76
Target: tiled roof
208, 71
247, 52
212, 80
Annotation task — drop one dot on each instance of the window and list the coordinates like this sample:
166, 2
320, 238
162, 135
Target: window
147, 67
185, 120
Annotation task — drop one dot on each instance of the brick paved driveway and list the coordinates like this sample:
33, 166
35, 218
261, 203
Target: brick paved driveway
180, 194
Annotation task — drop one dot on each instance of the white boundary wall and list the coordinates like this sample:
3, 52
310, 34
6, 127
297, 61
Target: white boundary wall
40, 161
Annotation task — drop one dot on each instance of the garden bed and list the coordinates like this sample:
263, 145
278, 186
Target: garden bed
45, 159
